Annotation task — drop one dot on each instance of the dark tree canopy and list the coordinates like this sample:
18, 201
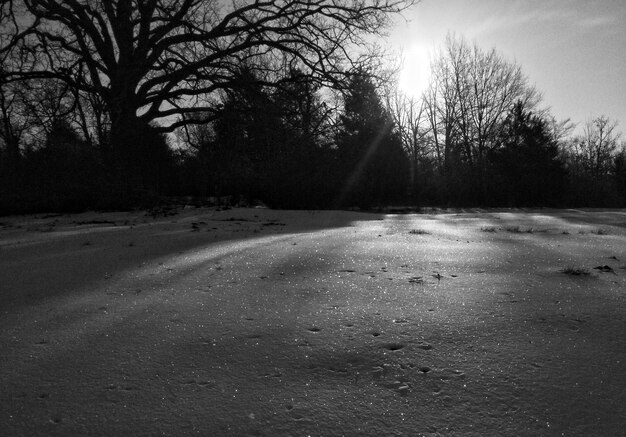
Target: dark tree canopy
270, 144
376, 165
526, 169
167, 63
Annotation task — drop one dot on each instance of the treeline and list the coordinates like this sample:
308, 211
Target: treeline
89, 88
282, 145
477, 136
480, 136
56, 153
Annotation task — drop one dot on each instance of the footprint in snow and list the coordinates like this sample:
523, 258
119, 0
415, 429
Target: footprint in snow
605, 269
296, 416
393, 346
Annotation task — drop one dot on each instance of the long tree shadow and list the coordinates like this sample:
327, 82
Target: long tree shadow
51, 257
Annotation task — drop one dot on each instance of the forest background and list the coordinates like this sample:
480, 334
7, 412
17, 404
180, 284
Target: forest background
109, 105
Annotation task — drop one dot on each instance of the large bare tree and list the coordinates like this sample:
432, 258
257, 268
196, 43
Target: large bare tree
165, 60
471, 93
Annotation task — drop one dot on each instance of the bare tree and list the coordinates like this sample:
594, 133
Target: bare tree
440, 100
410, 117
164, 60
471, 93
598, 145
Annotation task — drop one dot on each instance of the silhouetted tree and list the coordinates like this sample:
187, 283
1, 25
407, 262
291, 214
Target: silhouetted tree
597, 146
14, 122
247, 136
620, 174
375, 164
63, 173
268, 143
410, 118
303, 113
471, 93
163, 60
303, 175
590, 158
526, 168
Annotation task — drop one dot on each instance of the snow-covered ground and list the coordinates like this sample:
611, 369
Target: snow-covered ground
253, 322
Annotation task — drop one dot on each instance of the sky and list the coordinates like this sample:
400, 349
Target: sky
573, 51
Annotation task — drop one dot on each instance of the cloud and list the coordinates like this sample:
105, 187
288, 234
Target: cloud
598, 22
565, 15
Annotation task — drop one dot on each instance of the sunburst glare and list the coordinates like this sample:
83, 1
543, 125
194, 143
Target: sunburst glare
415, 71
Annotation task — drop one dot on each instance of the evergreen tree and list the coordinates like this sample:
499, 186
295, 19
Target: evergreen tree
304, 173
526, 167
375, 166
272, 143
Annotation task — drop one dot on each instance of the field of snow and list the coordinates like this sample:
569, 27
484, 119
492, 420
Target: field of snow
254, 322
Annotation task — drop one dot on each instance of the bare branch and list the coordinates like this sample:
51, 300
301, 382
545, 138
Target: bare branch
144, 54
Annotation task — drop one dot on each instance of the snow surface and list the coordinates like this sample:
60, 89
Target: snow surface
253, 322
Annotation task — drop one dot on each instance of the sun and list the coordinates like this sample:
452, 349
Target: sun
415, 71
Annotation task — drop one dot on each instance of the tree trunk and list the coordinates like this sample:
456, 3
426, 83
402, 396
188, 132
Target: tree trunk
13, 161
125, 146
